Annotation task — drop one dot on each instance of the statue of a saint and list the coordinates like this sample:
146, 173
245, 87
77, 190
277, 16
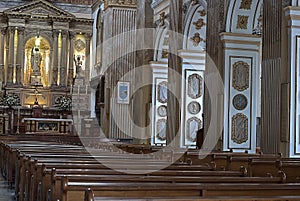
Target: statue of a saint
36, 59
78, 64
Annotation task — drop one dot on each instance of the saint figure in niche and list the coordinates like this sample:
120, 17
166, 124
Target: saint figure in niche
36, 58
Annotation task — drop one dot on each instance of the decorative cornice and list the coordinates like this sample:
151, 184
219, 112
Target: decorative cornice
38, 8
120, 3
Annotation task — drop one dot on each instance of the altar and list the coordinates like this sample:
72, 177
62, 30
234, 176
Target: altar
49, 126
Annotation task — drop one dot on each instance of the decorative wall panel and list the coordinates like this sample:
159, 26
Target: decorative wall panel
240, 77
239, 133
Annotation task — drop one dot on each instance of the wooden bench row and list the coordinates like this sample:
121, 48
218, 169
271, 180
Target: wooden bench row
62, 173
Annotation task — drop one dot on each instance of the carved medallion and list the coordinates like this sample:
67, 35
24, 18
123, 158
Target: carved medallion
199, 23
239, 128
162, 92
240, 102
193, 125
194, 107
161, 127
240, 77
246, 4
162, 111
242, 22
79, 45
195, 86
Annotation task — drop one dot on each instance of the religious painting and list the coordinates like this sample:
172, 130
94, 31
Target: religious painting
193, 125
194, 86
161, 129
239, 128
162, 92
240, 76
123, 92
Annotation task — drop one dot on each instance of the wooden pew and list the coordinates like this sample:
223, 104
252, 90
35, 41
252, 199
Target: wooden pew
75, 190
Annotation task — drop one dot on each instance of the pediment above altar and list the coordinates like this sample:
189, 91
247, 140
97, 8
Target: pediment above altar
38, 8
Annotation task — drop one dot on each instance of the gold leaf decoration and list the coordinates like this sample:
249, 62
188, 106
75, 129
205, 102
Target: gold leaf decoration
199, 23
242, 22
196, 39
246, 4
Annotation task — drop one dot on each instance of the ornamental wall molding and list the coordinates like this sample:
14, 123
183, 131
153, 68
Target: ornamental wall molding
120, 3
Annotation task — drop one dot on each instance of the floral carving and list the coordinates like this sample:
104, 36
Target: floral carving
202, 12
63, 102
199, 23
10, 100
246, 4
196, 39
242, 22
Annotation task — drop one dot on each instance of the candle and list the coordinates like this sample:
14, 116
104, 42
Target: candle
78, 89
86, 89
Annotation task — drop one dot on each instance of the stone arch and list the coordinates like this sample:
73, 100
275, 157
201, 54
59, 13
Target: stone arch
161, 43
295, 3
243, 15
195, 27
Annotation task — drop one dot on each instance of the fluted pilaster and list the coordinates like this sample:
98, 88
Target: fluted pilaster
63, 64
271, 76
10, 69
2, 40
175, 65
87, 61
55, 58
71, 61
20, 56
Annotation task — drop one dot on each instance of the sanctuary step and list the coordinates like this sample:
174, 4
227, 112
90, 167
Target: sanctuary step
6, 193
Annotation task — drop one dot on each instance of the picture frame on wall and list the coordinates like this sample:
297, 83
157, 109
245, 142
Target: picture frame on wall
123, 92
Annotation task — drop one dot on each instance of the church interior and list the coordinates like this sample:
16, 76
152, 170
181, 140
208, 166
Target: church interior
149, 100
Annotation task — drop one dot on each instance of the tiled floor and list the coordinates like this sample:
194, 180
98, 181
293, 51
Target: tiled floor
6, 193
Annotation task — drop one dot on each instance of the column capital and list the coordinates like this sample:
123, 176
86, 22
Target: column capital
21, 30
72, 34
3, 30
88, 36
12, 29
55, 33
64, 33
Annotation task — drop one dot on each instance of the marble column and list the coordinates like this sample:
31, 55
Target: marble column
2, 72
174, 65
87, 61
71, 61
272, 70
20, 56
10, 69
55, 58
63, 64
